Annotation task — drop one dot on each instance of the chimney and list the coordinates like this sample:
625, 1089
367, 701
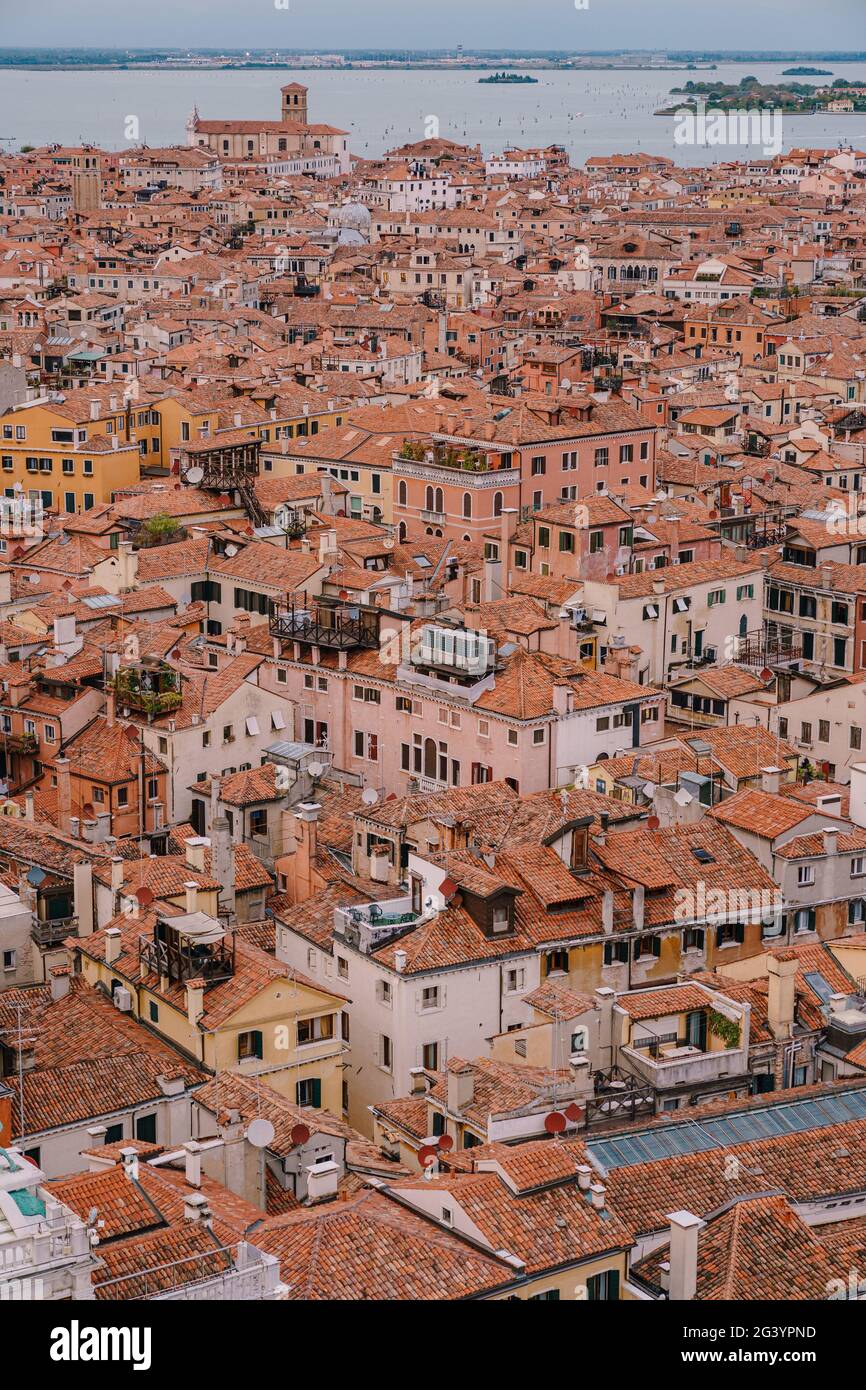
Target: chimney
492, 583
584, 1176
830, 836
607, 912
770, 778
685, 1229
781, 994
109, 709
116, 874
194, 853
222, 859
307, 817
195, 1207
113, 942
597, 1197
191, 889
194, 1000
192, 1162
461, 1087
64, 794
59, 982
638, 906
82, 881
322, 1181
129, 1161
29, 811
400, 961
95, 410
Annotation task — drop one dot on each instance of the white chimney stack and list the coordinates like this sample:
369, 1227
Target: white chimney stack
685, 1229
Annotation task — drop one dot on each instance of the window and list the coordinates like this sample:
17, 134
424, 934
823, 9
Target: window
317, 1029
430, 997
693, 939
823, 731
604, 1287
430, 1056
557, 960
514, 980
145, 1128
730, 934
9, 960
249, 1045
512, 738
153, 1011
856, 736
309, 1092
805, 875
566, 542
616, 953
386, 1056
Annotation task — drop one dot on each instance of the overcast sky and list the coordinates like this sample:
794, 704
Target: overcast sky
606, 24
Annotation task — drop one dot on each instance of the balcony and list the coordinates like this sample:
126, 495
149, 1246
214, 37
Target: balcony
336, 629
434, 518
368, 927
21, 743
678, 1064
150, 691
48, 932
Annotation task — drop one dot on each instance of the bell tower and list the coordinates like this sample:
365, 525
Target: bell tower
295, 104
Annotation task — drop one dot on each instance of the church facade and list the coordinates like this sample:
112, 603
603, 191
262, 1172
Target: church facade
317, 149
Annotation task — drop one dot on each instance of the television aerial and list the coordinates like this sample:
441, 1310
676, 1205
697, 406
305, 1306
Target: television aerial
194, 476
231, 551
370, 796
316, 769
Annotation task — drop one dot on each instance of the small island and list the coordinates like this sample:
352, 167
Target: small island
509, 77
807, 72
793, 98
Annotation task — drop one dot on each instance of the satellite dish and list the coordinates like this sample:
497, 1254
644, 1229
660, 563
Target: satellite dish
92, 1215
316, 769
370, 796
299, 1135
36, 876
33, 578
194, 476
427, 1154
144, 896
565, 384
554, 1122
445, 1143
653, 823
574, 1113
261, 1133
231, 551
766, 674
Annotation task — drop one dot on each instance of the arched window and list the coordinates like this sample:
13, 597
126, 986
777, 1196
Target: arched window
440, 500
497, 504
401, 493
467, 505
401, 531
428, 500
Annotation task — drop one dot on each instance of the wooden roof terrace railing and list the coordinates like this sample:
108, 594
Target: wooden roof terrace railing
326, 627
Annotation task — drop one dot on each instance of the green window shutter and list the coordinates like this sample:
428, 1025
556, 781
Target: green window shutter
317, 1093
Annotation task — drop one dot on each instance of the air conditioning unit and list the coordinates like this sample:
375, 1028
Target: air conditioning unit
122, 1000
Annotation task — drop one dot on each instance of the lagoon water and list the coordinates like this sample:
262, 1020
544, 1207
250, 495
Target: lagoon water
590, 113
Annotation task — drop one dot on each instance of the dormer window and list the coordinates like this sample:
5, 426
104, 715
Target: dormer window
501, 918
